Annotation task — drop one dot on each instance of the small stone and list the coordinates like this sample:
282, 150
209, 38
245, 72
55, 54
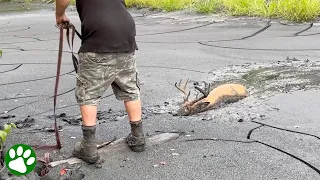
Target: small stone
175, 154
163, 163
73, 137
155, 165
240, 120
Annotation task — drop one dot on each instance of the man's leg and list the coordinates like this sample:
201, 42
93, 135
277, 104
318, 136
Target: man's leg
134, 110
91, 84
89, 115
127, 88
136, 139
87, 148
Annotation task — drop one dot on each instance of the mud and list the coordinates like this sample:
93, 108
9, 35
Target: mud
263, 80
103, 116
281, 77
27, 122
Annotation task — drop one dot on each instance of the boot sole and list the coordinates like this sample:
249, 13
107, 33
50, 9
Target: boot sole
90, 160
138, 148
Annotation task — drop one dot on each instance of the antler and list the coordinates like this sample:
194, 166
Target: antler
204, 91
186, 97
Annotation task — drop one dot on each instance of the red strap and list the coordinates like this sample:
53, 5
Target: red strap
67, 26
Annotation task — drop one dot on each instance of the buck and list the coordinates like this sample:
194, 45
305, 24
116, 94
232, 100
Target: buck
219, 96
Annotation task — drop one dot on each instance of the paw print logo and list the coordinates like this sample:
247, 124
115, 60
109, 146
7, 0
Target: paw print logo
20, 159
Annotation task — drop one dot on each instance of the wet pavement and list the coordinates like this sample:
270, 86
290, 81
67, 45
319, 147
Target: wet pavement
272, 134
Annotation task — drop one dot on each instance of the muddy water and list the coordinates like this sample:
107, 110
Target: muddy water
281, 77
262, 81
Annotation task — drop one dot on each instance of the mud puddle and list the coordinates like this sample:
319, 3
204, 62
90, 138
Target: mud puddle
280, 77
262, 80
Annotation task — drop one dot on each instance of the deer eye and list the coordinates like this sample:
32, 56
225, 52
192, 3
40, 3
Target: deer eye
203, 105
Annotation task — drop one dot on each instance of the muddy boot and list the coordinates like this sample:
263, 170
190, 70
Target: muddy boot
87, 148
136, 139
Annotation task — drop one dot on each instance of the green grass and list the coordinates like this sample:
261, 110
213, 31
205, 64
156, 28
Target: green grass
293, 10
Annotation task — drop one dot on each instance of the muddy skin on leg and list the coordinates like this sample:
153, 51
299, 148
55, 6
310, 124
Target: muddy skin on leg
136, 139
86, 149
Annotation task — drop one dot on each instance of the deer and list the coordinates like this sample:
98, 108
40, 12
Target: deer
210, 99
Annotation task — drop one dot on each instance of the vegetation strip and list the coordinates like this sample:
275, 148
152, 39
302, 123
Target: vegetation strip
293, 10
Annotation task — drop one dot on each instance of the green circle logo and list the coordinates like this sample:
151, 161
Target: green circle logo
20, 159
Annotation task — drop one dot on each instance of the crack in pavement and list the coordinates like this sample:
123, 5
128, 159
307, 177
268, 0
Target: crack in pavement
197, 27
174, 31
251, 131
310, 34
27, 37
263, 124
32, 80
257, 49
259, 142
32, 63
37, 49
289, 154
18, 26
19, 30
310, 26
23, 105
71, 105
142, 66
11, 69
245, 37
22, 97
37, 40
175, 68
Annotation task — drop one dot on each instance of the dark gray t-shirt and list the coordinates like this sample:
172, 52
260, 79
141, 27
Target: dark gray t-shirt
106, 26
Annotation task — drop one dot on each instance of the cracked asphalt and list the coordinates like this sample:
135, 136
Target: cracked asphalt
273, 134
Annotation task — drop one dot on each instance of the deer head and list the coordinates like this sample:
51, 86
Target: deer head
195, 106
211, 99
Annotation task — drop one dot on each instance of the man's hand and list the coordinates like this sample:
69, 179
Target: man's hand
61, 20
61, 6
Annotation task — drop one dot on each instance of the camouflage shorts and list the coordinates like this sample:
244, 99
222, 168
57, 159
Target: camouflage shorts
97, 71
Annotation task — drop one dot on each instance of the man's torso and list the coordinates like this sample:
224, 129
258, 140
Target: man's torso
106, 26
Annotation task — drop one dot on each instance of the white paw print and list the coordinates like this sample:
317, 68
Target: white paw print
20, 159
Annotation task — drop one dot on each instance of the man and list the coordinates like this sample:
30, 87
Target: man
106, 58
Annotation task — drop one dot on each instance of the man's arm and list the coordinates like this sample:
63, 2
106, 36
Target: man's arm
61, 6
